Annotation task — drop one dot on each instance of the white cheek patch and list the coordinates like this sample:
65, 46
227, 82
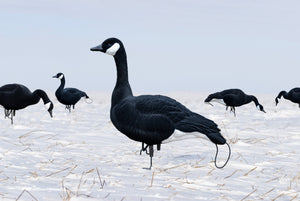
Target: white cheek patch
61, 77
221, 101
113, 49
47, 105
258, 107
179, 135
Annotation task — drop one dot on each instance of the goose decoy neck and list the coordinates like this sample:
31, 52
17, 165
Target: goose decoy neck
122, 88
257, 104
282, 93
62, 84
122, 68
252, 98
47, 102
216, 95
42, 94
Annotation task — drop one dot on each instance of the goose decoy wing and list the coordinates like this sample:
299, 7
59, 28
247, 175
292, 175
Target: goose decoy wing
234, 99
295, 95
11, 88
152, 119
296, 90
72, 94
72, 91
15, 92
197, 123
183, 119
141, 119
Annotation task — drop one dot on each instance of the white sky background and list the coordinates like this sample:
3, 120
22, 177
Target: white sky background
178, 45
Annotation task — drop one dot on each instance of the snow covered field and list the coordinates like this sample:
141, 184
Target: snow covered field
81, 156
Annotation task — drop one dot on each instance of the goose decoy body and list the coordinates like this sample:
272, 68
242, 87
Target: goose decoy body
151, 119
293, 95
16, 96
233, 98
68, 96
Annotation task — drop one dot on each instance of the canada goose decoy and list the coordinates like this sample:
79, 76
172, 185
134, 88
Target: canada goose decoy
233, 98
151, 119
68, 96
293, 95
16, 96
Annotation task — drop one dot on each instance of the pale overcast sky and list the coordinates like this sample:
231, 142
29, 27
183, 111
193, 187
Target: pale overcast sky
172, 45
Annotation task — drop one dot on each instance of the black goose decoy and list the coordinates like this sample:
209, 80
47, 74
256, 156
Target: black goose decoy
293, 95
68, 96
233, 98
16, 96
151, 119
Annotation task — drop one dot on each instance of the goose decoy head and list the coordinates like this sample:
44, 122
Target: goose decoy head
208, 99
49, 107
109, 46
261, 108
276, 101
59, 76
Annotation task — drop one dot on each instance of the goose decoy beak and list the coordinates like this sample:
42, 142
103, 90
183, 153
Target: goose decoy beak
209, 103
54, 76
51, 115
207, 100
261, 108
98, 48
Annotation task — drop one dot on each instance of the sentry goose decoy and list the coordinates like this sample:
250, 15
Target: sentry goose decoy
233, 98
152, 119
68, 96
293, 95
16, 96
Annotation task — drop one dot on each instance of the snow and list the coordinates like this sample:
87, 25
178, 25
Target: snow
81, 156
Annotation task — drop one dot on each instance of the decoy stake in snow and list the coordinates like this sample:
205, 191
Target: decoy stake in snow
152, 119
16, 96
68, 96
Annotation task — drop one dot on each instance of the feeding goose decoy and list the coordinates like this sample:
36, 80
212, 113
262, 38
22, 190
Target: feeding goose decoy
16, 96
152, 119
68, 96
293, 95
233, 98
